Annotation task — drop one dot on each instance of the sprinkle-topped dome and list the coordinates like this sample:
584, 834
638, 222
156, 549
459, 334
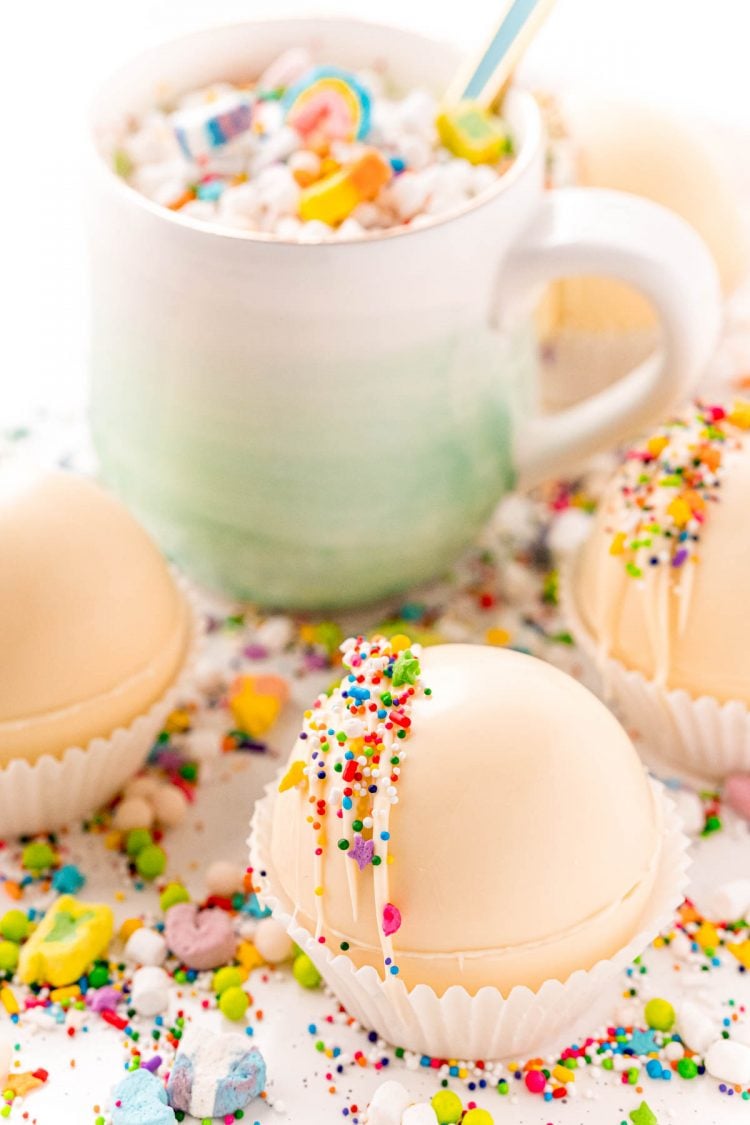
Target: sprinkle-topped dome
662, 582
434, 807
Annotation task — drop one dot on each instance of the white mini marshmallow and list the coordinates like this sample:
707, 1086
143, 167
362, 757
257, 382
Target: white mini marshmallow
690, 809
730, 901
144, 786
170, 805
421, 1113
224, 878
729, 1062
146, 947
272, 941
696, 1027
276, 632
388, 1104
149, 993
133, 812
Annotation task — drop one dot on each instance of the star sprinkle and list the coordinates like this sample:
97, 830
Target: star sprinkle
642, 1042
643, 1115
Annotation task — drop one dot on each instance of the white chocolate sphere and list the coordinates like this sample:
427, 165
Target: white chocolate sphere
647, 152
524, 842
94, 628
686, 626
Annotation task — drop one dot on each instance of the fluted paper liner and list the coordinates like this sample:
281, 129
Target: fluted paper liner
458, 1025
697, 739
44, 795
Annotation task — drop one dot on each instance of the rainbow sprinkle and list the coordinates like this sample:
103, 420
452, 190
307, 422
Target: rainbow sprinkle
669, 485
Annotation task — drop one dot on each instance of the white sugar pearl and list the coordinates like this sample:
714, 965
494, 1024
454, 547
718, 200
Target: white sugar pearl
459, 174
367, 215
416, 151
278, 190
421, 1113
133, 812
146, 947
417, 112
696, 1027
170, 805
287, 227
150, 991
241, 200
730, 901
729, 1062
674, 1051
272, 941
164, 183
224, 878
388, 1104
408, 194
690, 809
278, 146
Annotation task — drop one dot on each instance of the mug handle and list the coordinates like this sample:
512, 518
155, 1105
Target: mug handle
590, 231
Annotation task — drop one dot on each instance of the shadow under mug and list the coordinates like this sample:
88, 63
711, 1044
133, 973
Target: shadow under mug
320, 425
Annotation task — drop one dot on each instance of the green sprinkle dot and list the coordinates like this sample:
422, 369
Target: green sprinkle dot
151, 861
234, 1003
9, 953
137, 839
357, 825
228, 977
99, 975
376, 861
14, 925
38, 857
305, 972
344, 945
686, 1068
172, 894
344, 845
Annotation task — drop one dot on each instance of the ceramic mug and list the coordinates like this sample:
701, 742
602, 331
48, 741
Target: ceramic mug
320, 425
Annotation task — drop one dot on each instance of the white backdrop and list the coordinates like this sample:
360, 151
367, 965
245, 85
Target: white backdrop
684, 53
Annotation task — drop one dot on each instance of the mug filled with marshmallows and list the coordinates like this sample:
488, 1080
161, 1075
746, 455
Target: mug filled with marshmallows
313, 363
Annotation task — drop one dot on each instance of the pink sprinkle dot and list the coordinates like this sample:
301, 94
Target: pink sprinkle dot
535, 1081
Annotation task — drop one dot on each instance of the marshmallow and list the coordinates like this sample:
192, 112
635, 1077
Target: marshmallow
729, 1062
150, 991
133, 812
696, 1028
215, 1075
272, 941
730, 901
388, 1104
690, 809
140, 1099
71, 935
201, 939
421, 1113
170, 806
224, 878
146, 947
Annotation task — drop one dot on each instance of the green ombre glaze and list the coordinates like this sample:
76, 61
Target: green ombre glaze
306, 501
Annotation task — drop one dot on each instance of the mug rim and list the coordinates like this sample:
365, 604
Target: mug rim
518, 96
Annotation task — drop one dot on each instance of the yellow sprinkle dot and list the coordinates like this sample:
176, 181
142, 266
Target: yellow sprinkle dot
657, 444
497, 636
319, 891
679, 511
400, 642
562, 1074
617, 545
740, 415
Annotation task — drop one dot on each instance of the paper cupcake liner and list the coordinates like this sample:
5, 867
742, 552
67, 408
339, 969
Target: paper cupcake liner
696, 739
458, 1025
44, 795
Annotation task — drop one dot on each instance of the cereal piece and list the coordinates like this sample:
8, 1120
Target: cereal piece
334, 198
305, 972
131, 813
478, 1117
659, 1014
328, 102
201, 939
9, 954
215, 1075
146, 947
203, 128
71, 935
172, 894
136, 840
38, 857
469, 131
729, 1062
224, 878
272, 941
140, 1099
149, 992
256, 702
68, 880
447, 1106
228, 977
151, 861
170, 806
388, 1104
